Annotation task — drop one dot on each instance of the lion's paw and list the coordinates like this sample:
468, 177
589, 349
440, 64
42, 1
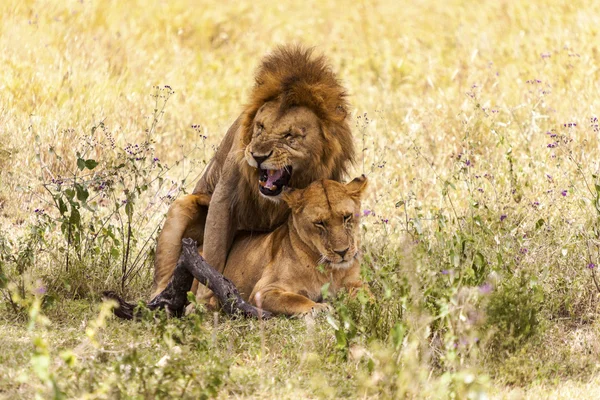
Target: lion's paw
319, 308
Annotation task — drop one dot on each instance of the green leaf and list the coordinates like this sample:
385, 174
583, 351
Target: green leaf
91, 164
539, 223
479, 260
114, 252
397, 334
129, 208
70, 193
80, 164
75, 217
82, 193
62, 207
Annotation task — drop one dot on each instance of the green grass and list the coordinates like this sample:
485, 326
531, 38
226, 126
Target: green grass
477, 127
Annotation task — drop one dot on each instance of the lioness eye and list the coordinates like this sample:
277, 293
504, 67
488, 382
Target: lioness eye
260, 126
320, 224
347, 217
288, 135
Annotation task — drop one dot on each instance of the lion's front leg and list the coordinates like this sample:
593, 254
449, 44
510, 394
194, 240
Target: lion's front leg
221, 221
186, 218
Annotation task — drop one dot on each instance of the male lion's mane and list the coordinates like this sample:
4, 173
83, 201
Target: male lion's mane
289, 77
295, 77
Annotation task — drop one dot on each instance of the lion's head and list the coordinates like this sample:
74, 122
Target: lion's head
326, 216
295, 128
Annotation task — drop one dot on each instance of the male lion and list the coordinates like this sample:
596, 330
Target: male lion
278, 271
293, 131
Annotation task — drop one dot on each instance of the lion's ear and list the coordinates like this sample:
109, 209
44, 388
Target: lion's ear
293, 198
356, 187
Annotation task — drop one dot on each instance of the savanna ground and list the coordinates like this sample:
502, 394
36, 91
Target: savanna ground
476, 123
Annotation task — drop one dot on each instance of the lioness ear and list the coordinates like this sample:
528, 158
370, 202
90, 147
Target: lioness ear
357, 186
293, 198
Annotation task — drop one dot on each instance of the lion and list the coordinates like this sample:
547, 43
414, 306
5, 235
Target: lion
279, 271
293, 131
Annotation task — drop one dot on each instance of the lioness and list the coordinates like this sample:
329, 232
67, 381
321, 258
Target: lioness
293, 131
278, 271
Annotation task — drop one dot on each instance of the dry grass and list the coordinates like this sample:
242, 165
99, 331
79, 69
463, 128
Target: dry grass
462, 100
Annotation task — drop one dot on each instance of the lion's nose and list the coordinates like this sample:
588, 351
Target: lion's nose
341, 253
260, 159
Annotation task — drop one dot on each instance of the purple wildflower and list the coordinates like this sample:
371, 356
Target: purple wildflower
564, 193
591, 266
486, 288
502, 217
523, 250
366, 213
445, 272
41, 290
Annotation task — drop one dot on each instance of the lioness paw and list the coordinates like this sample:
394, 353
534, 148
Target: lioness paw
319, 308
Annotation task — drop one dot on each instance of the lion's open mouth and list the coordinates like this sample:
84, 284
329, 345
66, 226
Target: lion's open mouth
272, 181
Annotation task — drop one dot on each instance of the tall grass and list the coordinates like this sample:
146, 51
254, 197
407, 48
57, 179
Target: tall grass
477, 125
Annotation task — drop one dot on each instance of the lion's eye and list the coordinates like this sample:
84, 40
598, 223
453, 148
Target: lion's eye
288, 135
320, 224
347, 218
260, 126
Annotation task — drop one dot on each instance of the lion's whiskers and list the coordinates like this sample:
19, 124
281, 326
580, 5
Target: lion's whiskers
322, 260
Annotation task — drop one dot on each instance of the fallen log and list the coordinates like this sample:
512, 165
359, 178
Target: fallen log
174, 298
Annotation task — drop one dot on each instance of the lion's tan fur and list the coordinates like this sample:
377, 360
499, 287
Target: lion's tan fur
295, 81
287, 267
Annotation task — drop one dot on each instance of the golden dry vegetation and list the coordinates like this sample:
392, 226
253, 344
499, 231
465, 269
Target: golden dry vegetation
476, 122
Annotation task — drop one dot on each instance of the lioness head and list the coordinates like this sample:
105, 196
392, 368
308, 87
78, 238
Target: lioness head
326, 216
295, 129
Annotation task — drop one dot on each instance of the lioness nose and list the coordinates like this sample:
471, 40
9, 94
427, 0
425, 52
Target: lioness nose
260, 159
341, 253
